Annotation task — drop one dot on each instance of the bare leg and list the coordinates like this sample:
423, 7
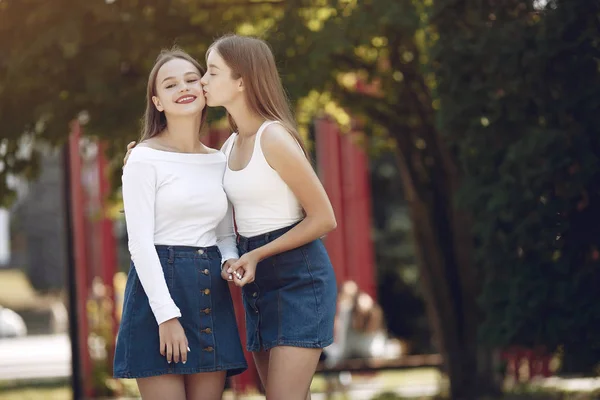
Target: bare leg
205, 385
291, 370
162, 387
261, 360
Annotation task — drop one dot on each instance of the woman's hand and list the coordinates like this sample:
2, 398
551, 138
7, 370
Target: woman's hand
226, 265
244, 269
173, 342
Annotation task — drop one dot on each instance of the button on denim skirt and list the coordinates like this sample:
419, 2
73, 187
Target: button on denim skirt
193, 276
292, 301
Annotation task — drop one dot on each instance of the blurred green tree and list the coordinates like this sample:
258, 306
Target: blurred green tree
70, 59
519, 105
373, 58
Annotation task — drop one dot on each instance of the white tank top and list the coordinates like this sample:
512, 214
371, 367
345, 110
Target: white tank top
262, 201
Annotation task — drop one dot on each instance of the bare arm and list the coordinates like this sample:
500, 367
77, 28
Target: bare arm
285, 156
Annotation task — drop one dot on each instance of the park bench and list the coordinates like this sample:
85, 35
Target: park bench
376, 364
336, 378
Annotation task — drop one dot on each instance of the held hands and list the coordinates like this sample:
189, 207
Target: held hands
244, 269
173, 342
228, 276
225, 267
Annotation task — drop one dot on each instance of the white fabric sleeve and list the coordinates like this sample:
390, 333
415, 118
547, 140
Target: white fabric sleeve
226, 236
139, 194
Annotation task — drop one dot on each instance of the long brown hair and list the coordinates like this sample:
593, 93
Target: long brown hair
252, 60
154, 121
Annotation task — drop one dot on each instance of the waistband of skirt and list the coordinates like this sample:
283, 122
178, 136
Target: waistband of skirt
186, 251
266, 237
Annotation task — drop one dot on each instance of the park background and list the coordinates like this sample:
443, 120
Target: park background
459, 141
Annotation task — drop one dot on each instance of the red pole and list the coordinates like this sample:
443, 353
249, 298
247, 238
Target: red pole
249, 381
108, 256
330, 171
79, 248
357, 214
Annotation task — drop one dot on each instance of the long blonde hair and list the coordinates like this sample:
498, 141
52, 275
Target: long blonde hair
252, 60
154, 121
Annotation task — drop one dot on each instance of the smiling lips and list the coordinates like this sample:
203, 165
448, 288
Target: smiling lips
186, 99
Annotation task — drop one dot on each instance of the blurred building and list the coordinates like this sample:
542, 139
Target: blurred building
37, 226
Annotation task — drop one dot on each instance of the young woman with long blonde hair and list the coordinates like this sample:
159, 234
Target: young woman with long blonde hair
281, 211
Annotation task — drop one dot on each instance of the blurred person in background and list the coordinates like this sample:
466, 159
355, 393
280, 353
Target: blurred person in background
360, 330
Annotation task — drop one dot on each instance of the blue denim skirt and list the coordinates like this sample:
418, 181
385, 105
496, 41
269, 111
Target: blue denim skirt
193, 276
292, 301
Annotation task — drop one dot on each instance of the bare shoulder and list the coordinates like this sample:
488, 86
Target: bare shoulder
276, 139
152, 143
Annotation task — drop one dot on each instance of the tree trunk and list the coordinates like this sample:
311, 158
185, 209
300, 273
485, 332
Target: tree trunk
443, 251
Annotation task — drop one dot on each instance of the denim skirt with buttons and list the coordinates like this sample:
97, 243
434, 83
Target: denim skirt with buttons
193, 276
292, 301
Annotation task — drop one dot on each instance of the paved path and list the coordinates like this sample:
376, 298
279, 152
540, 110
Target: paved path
34, 357
49, 356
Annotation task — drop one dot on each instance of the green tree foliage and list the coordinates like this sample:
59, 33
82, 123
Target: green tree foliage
69, 58
372, 57
520, 103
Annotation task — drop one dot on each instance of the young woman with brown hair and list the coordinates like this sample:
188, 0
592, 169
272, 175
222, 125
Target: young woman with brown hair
178, 335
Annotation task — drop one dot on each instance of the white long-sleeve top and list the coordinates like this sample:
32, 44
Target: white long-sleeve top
174, 199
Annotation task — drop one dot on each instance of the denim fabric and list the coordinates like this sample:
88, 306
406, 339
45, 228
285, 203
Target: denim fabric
292, 301
194, 280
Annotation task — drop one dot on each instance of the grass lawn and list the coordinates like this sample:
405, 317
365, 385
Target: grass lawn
61, 390
17, 293
387, 380
58, 390
384, 382
15, 290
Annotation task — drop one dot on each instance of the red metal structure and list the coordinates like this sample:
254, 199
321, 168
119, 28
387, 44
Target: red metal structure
108, 253
536, 360
93, 247
344, 170
82, 371
330, 170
